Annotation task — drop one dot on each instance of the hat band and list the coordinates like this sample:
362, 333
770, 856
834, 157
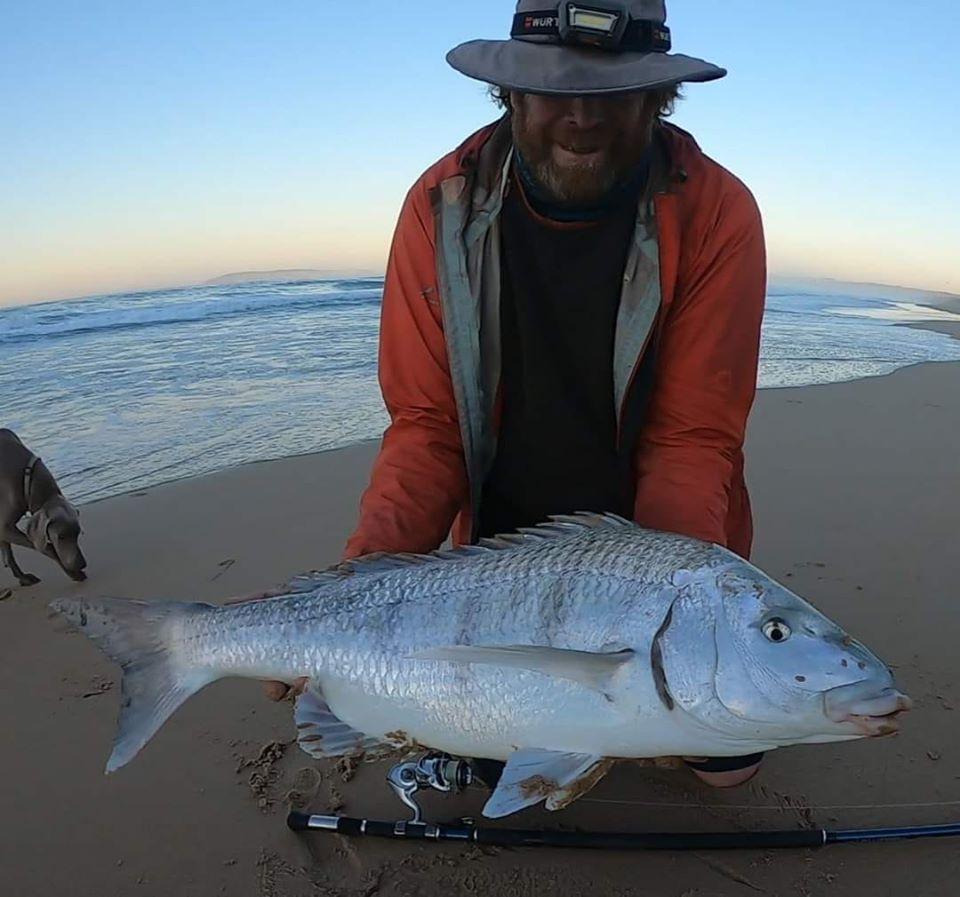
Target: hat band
605, 25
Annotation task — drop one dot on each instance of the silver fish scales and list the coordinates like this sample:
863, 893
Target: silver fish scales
557, 649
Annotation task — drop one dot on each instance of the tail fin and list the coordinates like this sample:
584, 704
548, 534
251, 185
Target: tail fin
136, 635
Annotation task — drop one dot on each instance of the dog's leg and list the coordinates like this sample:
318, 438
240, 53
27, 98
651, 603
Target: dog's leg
11, 533
25, 579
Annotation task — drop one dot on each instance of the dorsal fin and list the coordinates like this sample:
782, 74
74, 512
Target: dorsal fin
557, 527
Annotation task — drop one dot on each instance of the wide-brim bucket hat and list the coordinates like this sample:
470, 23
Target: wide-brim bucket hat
597, 46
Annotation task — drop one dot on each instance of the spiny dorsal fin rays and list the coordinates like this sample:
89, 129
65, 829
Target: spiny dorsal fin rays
557, 527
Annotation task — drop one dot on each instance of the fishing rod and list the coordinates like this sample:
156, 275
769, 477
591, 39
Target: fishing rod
504, 837
440, 772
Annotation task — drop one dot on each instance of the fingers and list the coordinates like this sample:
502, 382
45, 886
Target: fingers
277, 691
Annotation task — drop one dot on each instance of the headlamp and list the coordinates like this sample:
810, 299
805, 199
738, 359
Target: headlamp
599, 27
607, 25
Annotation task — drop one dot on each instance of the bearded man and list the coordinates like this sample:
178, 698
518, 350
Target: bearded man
572, 308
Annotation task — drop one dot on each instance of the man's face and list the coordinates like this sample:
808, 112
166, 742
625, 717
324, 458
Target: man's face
579, 147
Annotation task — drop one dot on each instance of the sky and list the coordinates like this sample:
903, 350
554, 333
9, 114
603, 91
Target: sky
147, 143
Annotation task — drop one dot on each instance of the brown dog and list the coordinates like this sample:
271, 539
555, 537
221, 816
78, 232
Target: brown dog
54, 524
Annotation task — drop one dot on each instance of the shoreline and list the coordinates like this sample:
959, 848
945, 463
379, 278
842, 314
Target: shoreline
242, 465
110, 456
949, 328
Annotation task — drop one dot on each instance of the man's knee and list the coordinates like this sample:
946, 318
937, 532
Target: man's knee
726, 772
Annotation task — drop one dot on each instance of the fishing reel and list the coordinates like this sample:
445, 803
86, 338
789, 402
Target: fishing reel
433, 771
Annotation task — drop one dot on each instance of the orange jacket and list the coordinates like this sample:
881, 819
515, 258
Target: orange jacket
688, 460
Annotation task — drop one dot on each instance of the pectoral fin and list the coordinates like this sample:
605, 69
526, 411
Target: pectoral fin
595, 670
533, 775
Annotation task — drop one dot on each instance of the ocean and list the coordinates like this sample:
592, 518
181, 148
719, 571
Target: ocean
118, 393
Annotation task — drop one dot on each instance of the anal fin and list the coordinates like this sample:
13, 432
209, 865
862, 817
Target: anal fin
532, 776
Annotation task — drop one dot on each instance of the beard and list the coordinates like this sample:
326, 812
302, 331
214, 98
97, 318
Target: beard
578, 172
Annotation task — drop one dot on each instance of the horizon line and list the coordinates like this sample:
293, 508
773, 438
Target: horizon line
339, 274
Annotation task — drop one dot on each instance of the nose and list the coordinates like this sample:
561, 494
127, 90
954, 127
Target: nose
70, 557
75, 569
584, 111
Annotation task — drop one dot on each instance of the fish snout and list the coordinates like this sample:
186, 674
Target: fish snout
873, 710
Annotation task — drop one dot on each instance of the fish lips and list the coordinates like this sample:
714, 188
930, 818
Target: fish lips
873, 710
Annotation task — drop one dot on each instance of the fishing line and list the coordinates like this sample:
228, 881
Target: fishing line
439, 772
781, 808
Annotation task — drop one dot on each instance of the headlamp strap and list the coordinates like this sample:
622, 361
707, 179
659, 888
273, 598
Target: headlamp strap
639, 36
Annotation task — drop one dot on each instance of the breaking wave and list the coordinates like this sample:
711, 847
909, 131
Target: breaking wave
184, 306
119, 393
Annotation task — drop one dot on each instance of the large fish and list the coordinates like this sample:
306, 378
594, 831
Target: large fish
557, 649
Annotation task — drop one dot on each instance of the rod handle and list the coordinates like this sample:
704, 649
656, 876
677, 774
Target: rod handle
298, 822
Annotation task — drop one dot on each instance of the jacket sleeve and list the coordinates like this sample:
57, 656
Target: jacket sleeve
705, 379
419, 479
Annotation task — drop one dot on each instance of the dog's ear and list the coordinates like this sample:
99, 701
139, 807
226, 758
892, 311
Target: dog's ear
67, 512
37, 527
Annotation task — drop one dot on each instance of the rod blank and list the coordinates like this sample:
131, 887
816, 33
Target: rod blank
502, 837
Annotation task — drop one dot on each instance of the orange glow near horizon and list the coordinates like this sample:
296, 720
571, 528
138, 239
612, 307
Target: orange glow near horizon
80, 265
95, 264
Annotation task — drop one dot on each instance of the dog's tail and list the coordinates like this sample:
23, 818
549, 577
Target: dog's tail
140, 638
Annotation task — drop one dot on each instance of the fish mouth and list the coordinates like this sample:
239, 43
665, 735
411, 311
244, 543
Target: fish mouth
873, 711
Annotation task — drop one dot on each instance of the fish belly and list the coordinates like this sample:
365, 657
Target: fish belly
488, 712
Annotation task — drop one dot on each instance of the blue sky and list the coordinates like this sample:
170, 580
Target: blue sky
157, 143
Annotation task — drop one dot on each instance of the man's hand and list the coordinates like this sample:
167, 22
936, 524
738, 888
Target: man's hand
277, 691
274, 690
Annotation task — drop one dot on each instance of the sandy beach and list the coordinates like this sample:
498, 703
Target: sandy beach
856, 490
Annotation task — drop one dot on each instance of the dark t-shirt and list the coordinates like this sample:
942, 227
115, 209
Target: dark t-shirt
561, 284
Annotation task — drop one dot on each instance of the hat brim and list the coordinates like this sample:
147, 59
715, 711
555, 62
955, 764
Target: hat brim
558, 69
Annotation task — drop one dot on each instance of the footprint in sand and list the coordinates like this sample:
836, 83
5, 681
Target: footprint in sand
306, 784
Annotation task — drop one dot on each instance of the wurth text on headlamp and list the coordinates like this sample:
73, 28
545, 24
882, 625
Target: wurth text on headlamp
608, 26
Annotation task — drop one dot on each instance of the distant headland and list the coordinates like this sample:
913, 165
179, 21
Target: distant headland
290, 275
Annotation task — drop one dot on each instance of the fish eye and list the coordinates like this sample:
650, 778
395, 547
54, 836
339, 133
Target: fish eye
776, 630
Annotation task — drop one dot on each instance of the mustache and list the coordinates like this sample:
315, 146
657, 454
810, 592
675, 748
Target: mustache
575, 146
604, 159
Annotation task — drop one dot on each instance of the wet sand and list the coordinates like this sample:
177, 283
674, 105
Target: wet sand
857, 498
